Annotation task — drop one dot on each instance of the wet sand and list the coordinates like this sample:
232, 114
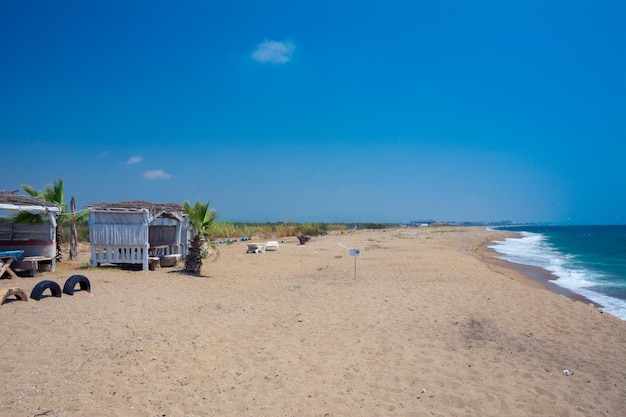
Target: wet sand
529, 274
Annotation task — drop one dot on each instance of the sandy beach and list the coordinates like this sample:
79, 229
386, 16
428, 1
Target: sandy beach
429, 326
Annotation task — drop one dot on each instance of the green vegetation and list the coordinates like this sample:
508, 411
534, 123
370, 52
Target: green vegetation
310, 229
228, 230
82, 227
201, 219
374, 226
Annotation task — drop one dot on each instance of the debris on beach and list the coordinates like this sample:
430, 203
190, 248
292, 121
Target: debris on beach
303, 238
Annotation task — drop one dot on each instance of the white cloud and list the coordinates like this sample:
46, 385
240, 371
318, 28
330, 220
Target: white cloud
274, 52
134, 160
157, 174
103, 155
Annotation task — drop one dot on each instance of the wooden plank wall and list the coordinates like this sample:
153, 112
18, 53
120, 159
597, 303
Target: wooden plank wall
119, 237
40, 232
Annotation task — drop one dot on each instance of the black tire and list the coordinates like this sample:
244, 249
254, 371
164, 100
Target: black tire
71, 282
37, 292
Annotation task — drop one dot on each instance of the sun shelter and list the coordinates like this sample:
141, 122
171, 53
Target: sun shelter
36, 240
137, 232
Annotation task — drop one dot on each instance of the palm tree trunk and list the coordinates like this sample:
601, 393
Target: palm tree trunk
193, 261
73, 231
59, 239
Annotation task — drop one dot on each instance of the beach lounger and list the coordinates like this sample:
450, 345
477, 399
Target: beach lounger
271, 245
255, 248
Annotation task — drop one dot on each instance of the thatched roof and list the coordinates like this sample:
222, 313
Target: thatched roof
13, 201
153, 208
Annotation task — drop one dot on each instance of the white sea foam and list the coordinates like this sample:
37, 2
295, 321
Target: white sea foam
533, 249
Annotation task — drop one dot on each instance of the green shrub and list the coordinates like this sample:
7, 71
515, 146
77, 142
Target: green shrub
373, 226
335, 227
310, 229
229, 230
226, 230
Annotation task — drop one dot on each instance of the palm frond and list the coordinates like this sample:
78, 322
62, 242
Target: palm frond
30, 190
52, 193
201, 217
25, 217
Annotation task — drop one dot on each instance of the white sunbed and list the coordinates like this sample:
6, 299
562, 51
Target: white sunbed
271, 245
255, 247
262, 247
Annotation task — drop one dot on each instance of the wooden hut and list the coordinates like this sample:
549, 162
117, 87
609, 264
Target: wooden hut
137, 232
36, 240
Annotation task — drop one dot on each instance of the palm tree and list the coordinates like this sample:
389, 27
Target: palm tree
201, 220
54, 193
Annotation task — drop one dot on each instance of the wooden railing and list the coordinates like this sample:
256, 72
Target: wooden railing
120, 254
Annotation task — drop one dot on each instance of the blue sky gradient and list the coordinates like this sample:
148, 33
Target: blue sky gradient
382, 111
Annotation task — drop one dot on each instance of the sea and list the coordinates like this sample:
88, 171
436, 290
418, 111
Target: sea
586, 260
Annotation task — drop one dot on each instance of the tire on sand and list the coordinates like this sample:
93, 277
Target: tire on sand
17, 292
37, 292
71, 282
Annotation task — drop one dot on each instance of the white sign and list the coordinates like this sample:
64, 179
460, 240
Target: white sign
355, 251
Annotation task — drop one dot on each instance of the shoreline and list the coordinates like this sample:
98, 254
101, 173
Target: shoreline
530, 275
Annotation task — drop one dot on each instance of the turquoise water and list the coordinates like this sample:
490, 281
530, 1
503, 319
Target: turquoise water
588, 260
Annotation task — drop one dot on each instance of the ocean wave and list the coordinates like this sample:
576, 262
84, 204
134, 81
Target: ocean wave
534, 249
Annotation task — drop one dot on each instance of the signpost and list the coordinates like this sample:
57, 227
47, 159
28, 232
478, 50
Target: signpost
353, 252
356, 252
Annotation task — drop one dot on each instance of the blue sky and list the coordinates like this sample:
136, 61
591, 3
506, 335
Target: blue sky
325, 111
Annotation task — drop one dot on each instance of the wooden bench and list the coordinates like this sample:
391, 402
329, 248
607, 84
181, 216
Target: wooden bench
153, 261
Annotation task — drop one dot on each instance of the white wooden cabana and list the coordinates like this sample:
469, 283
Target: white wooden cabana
36, 240
134, 232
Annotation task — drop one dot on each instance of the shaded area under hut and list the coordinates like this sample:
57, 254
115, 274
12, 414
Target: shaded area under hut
137, 232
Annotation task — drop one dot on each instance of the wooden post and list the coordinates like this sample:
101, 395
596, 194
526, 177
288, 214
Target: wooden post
355, 252
73, 231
